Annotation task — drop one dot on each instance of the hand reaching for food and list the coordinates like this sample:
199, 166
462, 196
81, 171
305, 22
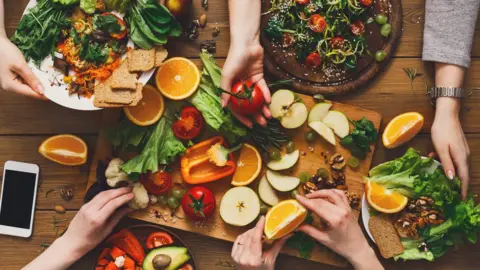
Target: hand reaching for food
343, 234
247, 250
93, 222
15, 75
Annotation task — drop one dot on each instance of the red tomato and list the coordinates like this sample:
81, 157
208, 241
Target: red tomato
252, 100
314, 60
336, 42
122, 34
317, 23
157, 183
357, 28
186, 267
158, 239
302, 2
198, 203
190, 123
366, 3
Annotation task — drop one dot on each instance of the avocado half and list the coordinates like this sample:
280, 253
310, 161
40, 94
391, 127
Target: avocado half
179, 257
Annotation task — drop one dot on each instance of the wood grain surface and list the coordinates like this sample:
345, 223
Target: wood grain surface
25, 122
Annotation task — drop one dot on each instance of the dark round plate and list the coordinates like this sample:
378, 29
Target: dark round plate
142, 232
282, 64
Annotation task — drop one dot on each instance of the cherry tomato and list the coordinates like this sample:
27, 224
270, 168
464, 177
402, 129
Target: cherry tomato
198, 203
252, 100
190, 123
314, 60
317, 23
366, 3
157, 183
123, 26
336, 42
357, 28
302, 2
186, 267
158, 239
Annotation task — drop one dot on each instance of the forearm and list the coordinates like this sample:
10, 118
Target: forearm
244, 18
2, 20
447, 75
60, 255
365, 259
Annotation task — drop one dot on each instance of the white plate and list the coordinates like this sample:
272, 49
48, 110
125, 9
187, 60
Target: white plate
56, 90
366, 214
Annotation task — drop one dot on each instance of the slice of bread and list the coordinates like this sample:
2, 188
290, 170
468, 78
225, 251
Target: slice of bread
385, 236
160, 55
138, 95
141, 60
122, 79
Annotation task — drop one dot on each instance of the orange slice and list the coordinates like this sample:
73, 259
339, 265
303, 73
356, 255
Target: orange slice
64, 149
384, 200
177, 78
148, 110
249, 165
402, 129
284, 218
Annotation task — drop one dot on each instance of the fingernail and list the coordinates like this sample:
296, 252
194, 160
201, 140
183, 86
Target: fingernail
39, 88
223, 103
450, 174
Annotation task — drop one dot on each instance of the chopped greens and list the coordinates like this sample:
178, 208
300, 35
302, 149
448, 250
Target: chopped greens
107, 23
363, 134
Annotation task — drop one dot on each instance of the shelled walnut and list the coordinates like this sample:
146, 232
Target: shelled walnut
337, 162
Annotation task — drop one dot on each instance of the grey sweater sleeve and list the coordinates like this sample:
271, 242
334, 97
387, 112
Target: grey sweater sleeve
449, 29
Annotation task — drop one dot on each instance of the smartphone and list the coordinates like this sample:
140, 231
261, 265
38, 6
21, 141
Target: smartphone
18, 196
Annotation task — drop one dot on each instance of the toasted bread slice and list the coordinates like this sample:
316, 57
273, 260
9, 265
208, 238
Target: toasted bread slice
141, 60
122, 79
106, 97
385, 236
160, 55
138, 95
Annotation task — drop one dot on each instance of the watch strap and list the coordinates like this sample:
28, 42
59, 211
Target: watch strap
455, 92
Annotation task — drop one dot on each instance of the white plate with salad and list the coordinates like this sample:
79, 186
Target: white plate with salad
435, 217
72, 45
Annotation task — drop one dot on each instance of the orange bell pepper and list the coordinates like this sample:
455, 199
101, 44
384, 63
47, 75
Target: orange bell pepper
197, 168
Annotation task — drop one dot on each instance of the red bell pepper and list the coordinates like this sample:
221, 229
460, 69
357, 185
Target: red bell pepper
102, 262
126, 241
129, 264
104, 253
116, 252
197, 168
112, 266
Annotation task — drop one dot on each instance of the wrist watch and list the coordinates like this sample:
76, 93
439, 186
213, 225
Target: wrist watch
455, 92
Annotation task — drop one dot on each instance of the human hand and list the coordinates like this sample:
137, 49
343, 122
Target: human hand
15, 75
245, 62
343, 234
96, 219
247, 250
450, 142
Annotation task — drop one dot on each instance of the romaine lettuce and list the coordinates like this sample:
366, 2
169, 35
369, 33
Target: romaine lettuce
412, 252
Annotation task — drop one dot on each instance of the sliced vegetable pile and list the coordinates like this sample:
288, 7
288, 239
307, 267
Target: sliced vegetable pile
323, 32
455, 220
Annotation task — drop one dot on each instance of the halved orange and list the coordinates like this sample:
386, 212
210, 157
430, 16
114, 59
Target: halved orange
64, 149
249, 166
384, 200
284, 218
177, 78
401, 129
148, 110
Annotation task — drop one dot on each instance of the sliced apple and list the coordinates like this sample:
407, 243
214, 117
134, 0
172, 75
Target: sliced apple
266, 192
338, 122
239, 206
285, 162
319, 111
323, 130
281, 100
282, 183
295, 117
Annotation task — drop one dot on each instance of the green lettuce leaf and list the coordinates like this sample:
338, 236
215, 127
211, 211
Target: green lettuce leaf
66, 2
412, 252
88, 6
126, 136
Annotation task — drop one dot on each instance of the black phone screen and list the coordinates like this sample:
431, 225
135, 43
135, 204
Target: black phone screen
17, 199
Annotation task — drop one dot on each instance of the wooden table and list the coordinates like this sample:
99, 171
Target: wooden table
25, 122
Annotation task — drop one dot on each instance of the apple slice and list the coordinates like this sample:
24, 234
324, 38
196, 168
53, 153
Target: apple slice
239, 206
319, 111
338, 122
323, 130
266, 192
281, 100
282, 183
285, 162
296, 115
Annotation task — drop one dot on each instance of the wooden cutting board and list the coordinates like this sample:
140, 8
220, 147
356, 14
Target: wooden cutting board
282, 64
310, 160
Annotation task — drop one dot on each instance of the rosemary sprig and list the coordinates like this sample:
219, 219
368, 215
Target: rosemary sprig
270, 136
412, 74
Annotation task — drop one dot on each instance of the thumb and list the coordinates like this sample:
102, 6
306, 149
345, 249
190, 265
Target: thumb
447, 163
117, 217
24, 71
226, 84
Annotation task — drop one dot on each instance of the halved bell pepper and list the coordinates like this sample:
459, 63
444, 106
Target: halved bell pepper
197, 168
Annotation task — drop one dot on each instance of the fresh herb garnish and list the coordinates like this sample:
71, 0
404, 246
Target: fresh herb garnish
412, 74
363, 134
107, 23
94, 53
270, 136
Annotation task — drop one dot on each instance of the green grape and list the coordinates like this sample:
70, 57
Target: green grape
173, 203
381, 19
